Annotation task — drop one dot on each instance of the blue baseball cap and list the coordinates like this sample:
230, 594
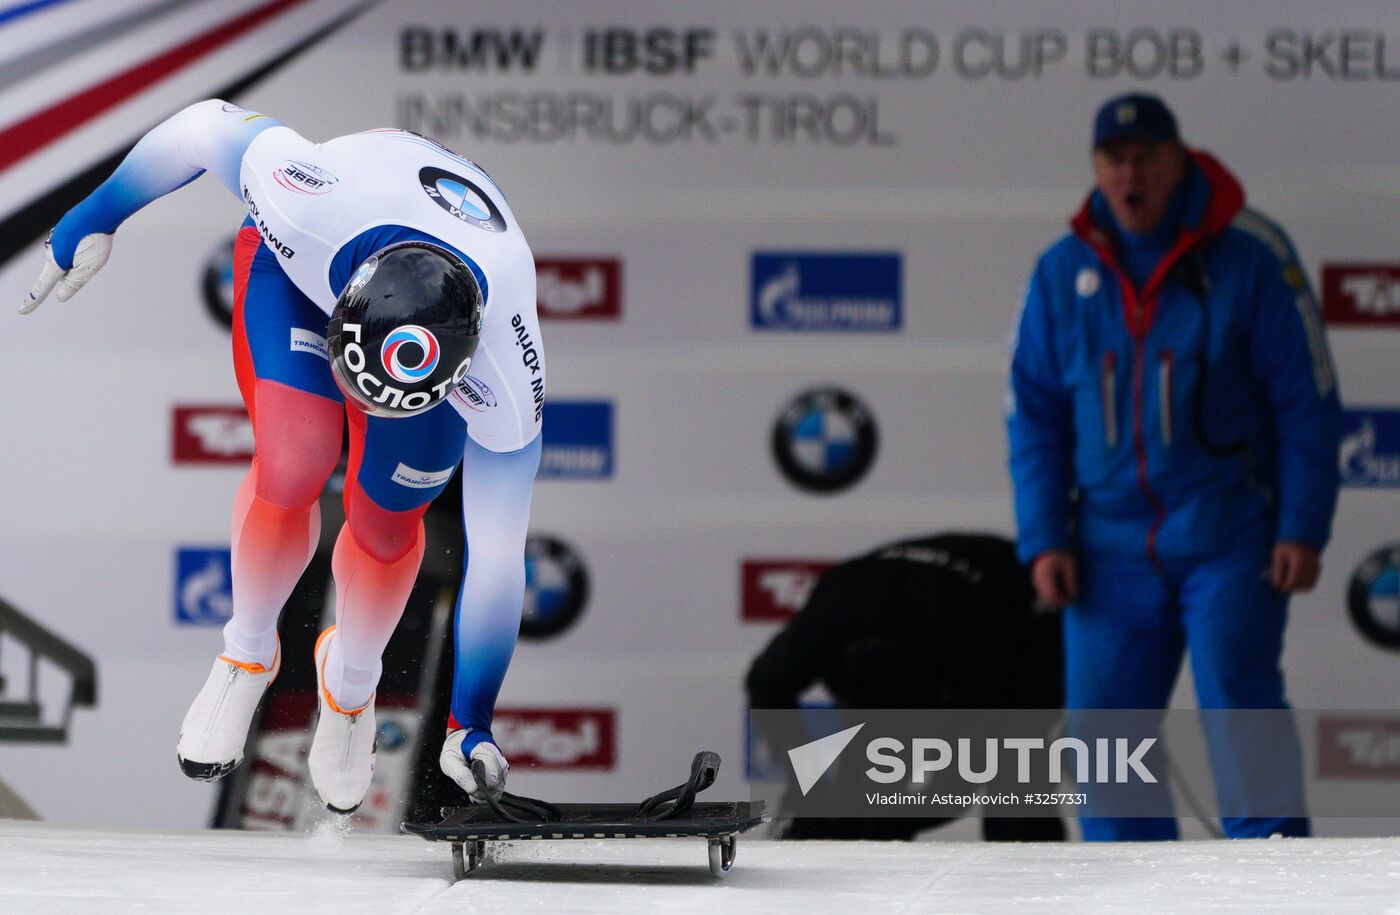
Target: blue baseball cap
1134, 117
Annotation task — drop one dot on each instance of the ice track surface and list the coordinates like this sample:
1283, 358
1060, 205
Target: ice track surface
49, 869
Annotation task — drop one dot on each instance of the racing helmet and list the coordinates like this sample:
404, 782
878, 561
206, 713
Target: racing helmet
404, 329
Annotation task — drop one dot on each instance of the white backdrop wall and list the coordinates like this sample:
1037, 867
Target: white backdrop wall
965, 172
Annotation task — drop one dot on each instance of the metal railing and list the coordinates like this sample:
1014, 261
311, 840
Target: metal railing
21, 713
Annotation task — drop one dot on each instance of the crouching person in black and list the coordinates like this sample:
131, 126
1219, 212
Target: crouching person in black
946, 621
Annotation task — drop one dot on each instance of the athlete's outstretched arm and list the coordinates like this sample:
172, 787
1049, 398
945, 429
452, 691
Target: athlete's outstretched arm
496, 511
209, 136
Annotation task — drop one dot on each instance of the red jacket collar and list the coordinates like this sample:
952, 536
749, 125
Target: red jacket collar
1226, 198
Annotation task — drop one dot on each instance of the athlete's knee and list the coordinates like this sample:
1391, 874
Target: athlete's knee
298, 444
388, 540
383, 535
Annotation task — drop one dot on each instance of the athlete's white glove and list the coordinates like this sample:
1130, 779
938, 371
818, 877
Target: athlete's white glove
92, 253
458, 768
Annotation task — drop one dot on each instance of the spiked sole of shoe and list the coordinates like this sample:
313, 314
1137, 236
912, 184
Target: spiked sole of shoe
205, 771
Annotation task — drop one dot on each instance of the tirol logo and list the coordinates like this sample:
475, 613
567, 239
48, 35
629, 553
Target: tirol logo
825, 292
561, 738
1364, 295
203, 586
578, 440
556, 587
579, 288
1373, 597
774, 590
304, 178
824, 440
463, 199
409, 353
211, 435
1359, 747
216, 285
1370, 450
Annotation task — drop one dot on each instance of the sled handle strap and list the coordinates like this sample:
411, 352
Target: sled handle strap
703, 770
513, 808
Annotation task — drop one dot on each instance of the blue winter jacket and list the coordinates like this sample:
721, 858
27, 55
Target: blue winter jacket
1183, 417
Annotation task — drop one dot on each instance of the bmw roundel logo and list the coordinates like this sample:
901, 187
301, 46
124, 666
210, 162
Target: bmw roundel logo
1373, 597
461, 198
556, 587
824, 440
217, 283
362, 274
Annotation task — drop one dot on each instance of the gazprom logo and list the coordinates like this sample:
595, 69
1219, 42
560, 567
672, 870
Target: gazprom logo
578, 440
203, 586
816, 291
1370, 449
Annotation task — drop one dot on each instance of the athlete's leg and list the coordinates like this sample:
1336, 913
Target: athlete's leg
1123, 648
297, 418
397, 467
1234, 626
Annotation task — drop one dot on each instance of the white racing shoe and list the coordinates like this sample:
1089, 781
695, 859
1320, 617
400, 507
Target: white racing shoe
216, 726
458, 768
342, 752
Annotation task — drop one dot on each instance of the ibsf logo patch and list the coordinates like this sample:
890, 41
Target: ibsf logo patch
461, 198
474, 394
203, 586
1373, 597
804, 291
216, 285
210, 435
1370, 449
304, 178
774, 590
572, 738
824, 440
556, 587
578, 440
579, 288
1361, 295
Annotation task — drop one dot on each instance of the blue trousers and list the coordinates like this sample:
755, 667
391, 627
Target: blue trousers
1124, 640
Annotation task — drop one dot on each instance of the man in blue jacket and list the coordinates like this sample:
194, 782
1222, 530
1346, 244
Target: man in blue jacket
1173, 428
